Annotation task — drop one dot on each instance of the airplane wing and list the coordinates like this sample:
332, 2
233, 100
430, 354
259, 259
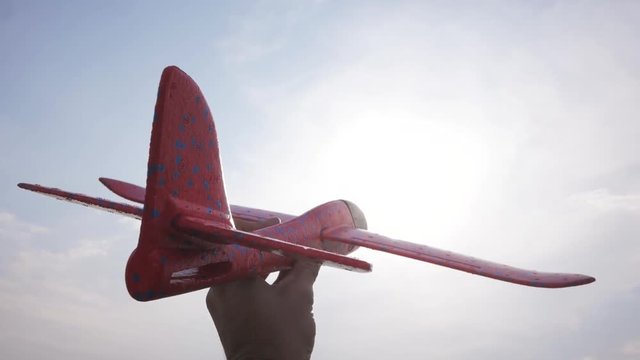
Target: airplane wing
128, 191
211, 231
347, 235
257, 217
452, 260
102, 204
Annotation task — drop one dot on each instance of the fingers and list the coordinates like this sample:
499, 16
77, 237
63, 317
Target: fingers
257, 320
302, 275
224, 295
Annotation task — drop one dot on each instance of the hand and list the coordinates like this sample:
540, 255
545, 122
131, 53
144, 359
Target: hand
256, 320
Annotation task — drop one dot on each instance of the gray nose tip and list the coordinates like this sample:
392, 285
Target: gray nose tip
357, 215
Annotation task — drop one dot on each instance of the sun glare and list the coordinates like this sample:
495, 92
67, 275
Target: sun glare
430, 170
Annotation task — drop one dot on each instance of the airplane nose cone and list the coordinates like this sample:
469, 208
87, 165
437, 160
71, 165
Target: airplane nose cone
357, 215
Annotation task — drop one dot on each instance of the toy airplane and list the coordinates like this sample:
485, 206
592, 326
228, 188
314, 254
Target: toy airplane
191, 238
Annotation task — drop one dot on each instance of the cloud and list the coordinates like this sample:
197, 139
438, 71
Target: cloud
69, 299
84, 249
632, 348
603, 200
29, 271
130, 223
11, 227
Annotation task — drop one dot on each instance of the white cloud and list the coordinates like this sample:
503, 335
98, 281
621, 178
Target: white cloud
603, 200
37, 258
632, 348
12, 227
29, 271
130, 223
69, 298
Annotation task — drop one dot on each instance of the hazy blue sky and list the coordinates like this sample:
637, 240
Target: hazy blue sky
501, 129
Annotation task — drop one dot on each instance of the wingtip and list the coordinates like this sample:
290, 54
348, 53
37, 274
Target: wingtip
25, 186
578, 280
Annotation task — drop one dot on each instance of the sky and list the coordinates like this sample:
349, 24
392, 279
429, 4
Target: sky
505, 130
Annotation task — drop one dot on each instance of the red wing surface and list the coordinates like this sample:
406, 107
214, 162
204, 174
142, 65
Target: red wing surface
455, 261
128, 191
110, 206
136, 193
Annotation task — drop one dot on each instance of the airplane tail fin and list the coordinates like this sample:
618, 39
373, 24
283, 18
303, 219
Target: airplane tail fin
184, 178
184, 160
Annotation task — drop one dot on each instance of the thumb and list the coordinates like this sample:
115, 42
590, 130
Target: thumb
302, 275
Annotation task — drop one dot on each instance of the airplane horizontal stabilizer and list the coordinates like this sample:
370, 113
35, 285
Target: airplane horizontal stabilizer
209, 230
128, 191
257, 218
98, 203
452, 260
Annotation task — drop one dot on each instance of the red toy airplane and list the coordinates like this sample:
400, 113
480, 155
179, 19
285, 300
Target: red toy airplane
191, 238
